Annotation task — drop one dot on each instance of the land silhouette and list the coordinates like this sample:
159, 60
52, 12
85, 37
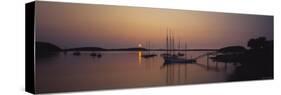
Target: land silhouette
44, 49
255, 62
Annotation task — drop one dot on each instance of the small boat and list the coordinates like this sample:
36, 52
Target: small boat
148, 55
95, 55
65, 52
177, 59
77, 53
99, 55
180, 54
165, 54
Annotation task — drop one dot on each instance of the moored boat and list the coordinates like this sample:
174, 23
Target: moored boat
171, 56
76, 53
177, 59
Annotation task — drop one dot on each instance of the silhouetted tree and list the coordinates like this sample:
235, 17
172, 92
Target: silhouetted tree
257, 43
232, 49
257, 62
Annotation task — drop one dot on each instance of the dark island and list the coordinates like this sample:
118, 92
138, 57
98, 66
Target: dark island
256, 62
44, 49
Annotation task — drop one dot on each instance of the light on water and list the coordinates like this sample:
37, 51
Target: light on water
66, 72
139, 56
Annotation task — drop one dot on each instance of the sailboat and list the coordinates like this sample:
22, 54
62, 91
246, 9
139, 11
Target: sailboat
76, 53
148, 55
170, 56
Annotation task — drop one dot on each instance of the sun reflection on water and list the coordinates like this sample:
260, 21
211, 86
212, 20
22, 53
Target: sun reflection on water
139, 57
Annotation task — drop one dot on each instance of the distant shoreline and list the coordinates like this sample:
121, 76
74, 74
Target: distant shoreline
146, 50
185, 50
44, 46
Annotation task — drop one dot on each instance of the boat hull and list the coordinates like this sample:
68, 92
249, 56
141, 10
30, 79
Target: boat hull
175, 59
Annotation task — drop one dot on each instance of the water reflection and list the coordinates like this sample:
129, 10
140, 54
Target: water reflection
122, 70
139, 56
186, 73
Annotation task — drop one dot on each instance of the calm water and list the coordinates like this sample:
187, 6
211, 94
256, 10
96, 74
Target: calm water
66, 72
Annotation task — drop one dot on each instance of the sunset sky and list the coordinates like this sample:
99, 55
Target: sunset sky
69, 25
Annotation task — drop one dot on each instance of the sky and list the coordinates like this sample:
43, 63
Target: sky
70, 25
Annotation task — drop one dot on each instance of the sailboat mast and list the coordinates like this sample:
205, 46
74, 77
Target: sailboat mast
170, 40
173, 42
179, 44
179, 47
167, 40
149, 47
185, 46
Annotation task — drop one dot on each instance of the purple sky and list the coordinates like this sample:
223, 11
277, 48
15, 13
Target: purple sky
69, 25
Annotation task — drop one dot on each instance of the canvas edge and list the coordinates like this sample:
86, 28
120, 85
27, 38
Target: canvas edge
29, 47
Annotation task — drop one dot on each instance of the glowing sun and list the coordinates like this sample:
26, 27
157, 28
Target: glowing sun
139, 45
